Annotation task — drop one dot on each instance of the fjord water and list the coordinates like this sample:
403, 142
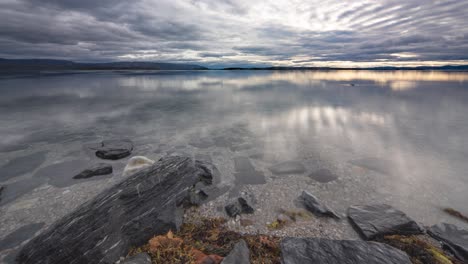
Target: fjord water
350, 137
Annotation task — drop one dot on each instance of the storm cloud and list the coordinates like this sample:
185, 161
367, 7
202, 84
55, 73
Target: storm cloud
220, 33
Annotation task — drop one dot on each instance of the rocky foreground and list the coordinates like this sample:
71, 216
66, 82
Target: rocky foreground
132, 221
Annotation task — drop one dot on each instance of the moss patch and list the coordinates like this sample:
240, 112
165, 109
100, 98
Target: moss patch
208, 238
419, 250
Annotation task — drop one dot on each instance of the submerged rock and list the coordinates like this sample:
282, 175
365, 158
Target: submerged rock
128, 214
240, 254
453, 238
22, 165
374, 221
288, 167
114, 149
318, 250
246, 172
96, 170
142, 258
137, 163
323, 176
313, 205
1, 190
239, 207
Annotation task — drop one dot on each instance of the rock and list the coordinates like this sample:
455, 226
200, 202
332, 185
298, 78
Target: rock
127, 215
374, 221
114, 149
22, 165
20, 235
288, 167
137, 163
313, 205
1, 190
246, 172
239, 207
240, 254
96, 170
323, 176
141, 258
453, 238
319, 250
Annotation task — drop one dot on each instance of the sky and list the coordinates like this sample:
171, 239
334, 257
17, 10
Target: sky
232, 33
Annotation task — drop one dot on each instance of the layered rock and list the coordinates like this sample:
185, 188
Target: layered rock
313, 205
142, 258
318, 250
374, 221
453, 238
128, 214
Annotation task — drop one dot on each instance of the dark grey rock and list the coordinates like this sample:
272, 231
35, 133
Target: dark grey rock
288, 167
453, 238
142, 258
246, 172
238, 207
20, 235
96, 170
240, 254
1, 190
128, 214
312, 204
375, 221
22, 165
323, 176
114, 149
318, 250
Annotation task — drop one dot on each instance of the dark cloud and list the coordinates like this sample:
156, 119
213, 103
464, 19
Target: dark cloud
236, 32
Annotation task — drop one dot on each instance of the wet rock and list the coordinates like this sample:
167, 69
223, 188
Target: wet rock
137, 163
114, 149
142, 258
453, 238
239, 207
22, 165
313, 205
240, 254
128, 214
374, 221
246, 173
96, 170
1, 190
288, 167
20, 235
318, 250
323, 176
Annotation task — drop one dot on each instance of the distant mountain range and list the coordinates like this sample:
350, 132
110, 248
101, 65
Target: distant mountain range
44, 64
388, 68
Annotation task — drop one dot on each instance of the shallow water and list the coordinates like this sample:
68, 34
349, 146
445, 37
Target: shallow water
349, 137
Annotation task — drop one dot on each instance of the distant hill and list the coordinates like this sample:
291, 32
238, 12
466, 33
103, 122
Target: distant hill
44, 64
387, 68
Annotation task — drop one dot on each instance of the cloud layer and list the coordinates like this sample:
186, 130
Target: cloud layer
219, 33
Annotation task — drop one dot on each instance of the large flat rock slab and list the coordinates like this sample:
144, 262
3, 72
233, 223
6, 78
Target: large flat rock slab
128, 214
374, 221
454, 238
318, 250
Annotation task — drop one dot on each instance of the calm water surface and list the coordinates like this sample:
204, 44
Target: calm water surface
349, 136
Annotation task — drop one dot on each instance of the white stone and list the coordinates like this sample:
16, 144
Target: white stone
137, 163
